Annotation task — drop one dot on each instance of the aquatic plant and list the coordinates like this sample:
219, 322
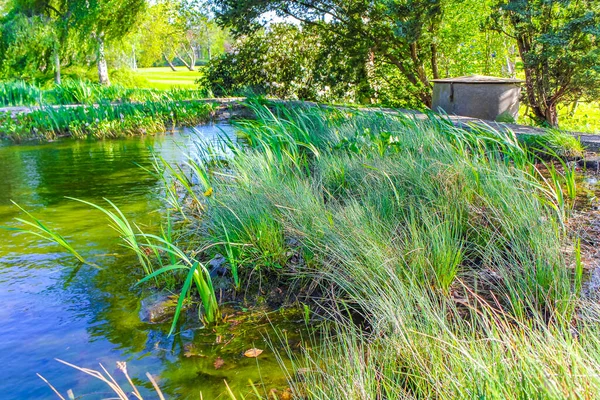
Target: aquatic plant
19, 93
104, 120
144, 244
39, 229
196, 274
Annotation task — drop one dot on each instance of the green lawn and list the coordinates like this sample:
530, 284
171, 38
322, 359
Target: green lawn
585, 118
165, 78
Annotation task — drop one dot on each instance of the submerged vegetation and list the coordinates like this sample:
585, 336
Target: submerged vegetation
441, 254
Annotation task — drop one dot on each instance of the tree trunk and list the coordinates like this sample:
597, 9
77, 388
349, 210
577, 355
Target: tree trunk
133, 59
544, 110
193, 57
57, 78
552, 115
103, 78
434, 61
188, 66
169, 62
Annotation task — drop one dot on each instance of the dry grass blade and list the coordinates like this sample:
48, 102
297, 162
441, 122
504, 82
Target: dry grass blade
109, 380
156, 387
51, 387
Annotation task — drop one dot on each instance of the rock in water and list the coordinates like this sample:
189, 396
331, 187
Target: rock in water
158, 308
216, 266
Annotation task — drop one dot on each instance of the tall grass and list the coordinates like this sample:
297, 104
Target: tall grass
448, 244
448, 247
104, 120
21, 93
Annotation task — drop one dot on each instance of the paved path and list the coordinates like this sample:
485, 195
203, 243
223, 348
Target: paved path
590, 141
234, 106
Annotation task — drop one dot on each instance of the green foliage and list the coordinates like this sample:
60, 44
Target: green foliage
104, 121
25, 46
558, 44
412, 41
140, 242
553, 143
19, 93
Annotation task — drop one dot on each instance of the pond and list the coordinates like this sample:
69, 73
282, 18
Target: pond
53, 308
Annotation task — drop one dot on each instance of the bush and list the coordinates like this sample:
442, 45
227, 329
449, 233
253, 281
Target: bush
288, 61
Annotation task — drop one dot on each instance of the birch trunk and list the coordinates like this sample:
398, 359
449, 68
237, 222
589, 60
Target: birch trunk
57, 78
103, 78
169, 62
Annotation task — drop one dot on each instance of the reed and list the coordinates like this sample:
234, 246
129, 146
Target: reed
37, 228
104, 120
138, 241
21, 93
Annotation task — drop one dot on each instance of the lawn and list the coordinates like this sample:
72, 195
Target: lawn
165, 78
584, 118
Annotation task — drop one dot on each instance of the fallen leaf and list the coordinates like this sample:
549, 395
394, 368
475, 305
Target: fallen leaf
286, 395
218, 363
253, 353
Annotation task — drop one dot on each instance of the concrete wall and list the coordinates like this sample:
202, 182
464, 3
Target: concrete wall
482, 100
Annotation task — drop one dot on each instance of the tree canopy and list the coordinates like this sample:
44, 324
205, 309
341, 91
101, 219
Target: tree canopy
559, 44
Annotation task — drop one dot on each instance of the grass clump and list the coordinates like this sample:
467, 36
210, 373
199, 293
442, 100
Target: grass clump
446, 244
554, 144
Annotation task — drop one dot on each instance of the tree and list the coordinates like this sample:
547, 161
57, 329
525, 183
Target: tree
160, 35
559, 44
178, 30
26, 45
99, 21
89, 23
405, 35
53, 15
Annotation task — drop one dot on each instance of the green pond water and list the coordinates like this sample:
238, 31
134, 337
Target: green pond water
52, 308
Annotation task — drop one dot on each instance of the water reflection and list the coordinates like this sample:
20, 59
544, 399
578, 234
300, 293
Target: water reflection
52, 307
